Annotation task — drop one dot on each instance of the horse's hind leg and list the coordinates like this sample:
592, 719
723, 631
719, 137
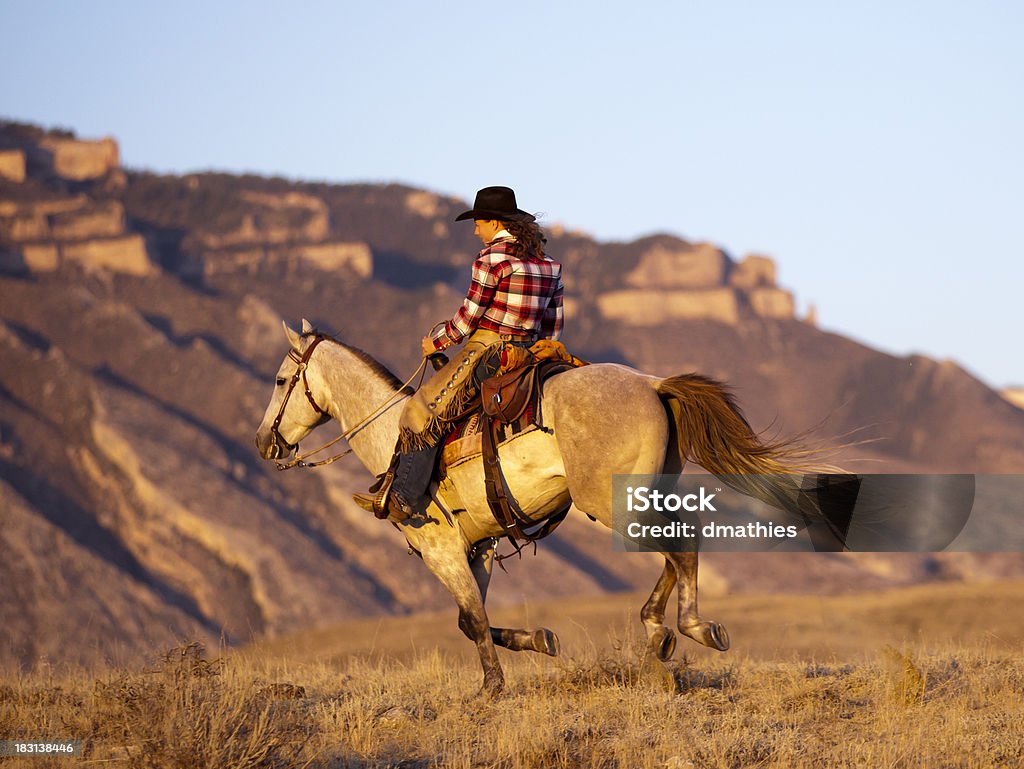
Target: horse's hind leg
661, 641
514, 639
690, 624
519, 640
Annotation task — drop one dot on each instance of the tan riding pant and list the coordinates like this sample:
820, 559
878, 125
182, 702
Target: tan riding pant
424, 420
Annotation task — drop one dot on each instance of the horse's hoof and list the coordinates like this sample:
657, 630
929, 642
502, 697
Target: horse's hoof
719, 636
711, 634
662, 643
546, 642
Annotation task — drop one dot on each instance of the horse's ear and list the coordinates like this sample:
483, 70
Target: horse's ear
307, 327
293, 337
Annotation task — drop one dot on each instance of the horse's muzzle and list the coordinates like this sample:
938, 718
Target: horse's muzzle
271, 448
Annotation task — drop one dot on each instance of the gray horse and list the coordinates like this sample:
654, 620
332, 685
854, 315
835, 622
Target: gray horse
602, 420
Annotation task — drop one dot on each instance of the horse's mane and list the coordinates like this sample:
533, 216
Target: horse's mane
375, 365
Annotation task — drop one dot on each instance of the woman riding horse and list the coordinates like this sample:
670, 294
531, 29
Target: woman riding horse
514, 297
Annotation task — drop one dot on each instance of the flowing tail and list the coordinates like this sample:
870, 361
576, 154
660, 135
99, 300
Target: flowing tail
712, 432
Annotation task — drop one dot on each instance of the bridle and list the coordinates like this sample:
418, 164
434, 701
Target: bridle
302, 363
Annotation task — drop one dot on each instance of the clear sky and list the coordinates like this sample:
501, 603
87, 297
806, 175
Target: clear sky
874, 149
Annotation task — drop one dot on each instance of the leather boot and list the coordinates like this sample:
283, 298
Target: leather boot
412, 479
401, 493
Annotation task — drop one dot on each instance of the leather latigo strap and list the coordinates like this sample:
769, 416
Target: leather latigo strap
503, 505
494, 483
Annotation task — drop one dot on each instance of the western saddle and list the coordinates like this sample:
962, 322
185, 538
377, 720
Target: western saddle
510, 402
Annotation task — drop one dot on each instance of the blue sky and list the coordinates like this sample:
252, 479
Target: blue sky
873, 149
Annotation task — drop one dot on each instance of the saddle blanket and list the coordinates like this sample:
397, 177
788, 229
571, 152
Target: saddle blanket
468, 443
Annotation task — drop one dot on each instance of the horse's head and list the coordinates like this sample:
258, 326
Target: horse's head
292, 413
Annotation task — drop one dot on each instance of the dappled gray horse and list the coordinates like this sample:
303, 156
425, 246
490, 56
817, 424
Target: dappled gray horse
601, 420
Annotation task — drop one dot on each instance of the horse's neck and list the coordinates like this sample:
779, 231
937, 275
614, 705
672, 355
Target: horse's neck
354, 391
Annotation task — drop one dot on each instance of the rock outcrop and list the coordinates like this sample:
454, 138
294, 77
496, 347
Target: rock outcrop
685, 266
351, 259
256, 231
653, 307
774, 303
126, 254
272, 219
348, 258
44, 227
44, 235
12, 165
77, 159
676, 280
1014, 395
755, 271
103, 219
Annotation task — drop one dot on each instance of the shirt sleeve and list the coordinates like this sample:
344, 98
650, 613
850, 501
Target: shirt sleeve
482, 286
551, 322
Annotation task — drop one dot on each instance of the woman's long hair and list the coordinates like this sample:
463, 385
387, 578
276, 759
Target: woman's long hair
529, 235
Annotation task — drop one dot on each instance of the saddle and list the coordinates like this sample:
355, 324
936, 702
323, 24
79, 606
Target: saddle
509, 405
505, 396
504, 400
508, 401
510, 397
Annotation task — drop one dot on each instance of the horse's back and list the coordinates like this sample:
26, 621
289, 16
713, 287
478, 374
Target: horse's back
608, 420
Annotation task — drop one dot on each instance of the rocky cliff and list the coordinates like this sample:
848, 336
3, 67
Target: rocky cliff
139, 336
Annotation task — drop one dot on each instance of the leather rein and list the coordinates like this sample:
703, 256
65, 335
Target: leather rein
302, 363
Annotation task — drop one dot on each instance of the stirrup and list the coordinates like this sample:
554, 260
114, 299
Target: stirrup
390, 507
378, 503
365, 501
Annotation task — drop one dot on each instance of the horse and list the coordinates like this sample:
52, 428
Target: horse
599, 420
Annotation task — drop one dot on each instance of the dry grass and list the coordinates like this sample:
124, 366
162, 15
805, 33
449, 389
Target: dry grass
905, 708
187, 711
603, 704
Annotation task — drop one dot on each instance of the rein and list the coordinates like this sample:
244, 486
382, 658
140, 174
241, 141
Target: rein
300, 373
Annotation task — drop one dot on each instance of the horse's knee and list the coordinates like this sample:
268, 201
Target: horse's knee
472, 625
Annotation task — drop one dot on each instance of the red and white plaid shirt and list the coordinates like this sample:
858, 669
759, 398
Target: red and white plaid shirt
509, 293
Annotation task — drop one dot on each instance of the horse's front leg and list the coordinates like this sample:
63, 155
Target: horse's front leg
514, 639
445, 554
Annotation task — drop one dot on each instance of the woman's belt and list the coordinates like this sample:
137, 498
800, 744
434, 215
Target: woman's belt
526, 336
518, 336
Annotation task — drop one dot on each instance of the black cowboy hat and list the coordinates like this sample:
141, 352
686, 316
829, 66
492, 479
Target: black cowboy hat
496, 203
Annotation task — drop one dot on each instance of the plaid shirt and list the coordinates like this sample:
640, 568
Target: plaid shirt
509, 293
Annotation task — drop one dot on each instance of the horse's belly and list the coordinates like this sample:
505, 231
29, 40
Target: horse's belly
533, 472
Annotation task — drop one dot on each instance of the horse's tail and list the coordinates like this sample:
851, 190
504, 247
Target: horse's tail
711, 431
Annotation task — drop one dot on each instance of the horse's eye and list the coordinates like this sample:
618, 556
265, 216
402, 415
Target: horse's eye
280, 381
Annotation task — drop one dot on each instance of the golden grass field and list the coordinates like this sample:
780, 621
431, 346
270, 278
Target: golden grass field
928, 676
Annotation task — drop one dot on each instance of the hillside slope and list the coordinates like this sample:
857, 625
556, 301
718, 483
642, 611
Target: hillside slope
140, 332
